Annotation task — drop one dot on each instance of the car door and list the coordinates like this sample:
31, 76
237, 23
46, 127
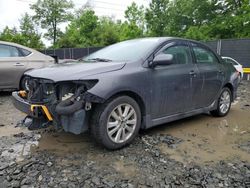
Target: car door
12, 66
210, 77
172, 85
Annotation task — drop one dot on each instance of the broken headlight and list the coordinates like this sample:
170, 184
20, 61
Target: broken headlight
75, 88
48, 89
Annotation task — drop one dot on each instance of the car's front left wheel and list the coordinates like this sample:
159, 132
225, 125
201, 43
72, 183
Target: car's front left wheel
116, 122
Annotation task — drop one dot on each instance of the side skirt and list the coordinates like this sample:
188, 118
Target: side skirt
174, 117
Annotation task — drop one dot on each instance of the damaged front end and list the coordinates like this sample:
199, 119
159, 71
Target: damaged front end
64, 104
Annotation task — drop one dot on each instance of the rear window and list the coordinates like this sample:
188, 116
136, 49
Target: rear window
204, 56
25, 52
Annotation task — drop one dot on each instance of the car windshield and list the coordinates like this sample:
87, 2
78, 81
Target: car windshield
124, 51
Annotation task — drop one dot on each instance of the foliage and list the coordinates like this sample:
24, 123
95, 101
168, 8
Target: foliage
50, 13
157, 17
27, 36
195, 19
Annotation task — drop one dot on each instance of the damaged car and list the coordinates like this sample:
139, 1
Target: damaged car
132, 85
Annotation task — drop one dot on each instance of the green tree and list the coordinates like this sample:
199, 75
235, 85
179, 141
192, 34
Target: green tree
157, 17
81, 31
50, 13
87, 29
27, 35
134, 26
107, 32
30, 36
10, 35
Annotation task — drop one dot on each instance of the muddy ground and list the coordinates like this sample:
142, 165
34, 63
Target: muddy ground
200, 151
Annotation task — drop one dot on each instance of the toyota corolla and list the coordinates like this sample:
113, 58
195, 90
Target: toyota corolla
128, 86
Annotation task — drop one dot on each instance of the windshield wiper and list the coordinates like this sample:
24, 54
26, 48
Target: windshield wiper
100, 59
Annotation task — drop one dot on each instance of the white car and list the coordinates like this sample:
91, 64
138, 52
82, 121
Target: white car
237, 65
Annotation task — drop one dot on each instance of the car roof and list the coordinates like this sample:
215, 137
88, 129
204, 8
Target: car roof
17, 45
160, 40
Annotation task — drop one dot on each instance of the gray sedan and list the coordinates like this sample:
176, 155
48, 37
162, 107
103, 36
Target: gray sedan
132, 85
15, 60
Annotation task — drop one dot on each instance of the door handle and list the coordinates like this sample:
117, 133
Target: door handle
192, 73
18, 64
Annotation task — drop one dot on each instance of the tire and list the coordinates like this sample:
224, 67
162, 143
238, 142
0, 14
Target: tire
23, 85
226, 98
108, 125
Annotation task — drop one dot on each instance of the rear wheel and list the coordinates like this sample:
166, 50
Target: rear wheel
116, 122
223, 103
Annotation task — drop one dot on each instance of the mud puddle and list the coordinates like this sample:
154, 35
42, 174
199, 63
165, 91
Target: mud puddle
62, 143
208, 139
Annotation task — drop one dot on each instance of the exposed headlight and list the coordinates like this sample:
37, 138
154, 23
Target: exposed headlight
75, 88
49, 89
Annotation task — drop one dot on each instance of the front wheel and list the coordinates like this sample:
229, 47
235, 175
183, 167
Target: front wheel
116, 122
223, 103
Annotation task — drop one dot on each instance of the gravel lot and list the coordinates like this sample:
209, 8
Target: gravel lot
201, 151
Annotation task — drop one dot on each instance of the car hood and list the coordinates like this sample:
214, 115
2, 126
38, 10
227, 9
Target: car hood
74, 71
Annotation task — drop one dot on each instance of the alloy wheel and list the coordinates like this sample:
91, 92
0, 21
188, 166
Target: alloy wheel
225, 102
121, 123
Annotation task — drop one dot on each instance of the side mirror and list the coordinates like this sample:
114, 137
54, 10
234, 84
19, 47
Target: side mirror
163, 59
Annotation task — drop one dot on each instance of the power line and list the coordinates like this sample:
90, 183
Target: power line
94, 6
108, 3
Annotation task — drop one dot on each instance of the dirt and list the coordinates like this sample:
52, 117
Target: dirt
9, 116
209, 139
200, 151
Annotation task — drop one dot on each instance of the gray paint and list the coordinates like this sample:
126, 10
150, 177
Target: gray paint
168, 92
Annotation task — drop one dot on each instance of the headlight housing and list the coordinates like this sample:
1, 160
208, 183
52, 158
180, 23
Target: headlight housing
48, 89
72, 88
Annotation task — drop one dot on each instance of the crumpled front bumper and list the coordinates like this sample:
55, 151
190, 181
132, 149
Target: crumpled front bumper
32, 110
75, 123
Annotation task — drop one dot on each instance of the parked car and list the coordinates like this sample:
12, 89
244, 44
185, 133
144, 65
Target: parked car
15, 60
236, 64
131, 85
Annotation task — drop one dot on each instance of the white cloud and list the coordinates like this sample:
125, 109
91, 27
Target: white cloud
12, 10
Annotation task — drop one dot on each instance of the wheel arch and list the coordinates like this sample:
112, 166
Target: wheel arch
230, 87
134, 96
21, 78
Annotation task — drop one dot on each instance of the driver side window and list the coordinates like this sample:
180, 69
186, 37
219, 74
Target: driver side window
181, 54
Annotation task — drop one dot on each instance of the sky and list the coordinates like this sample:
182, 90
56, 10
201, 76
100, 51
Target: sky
12, 10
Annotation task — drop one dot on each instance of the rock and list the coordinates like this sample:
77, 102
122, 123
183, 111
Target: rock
26, 181
49, 164
71, 185
3, 166
1, 173
25, 186
15, 183
40, 178
17, 171
11, 150
96, 180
